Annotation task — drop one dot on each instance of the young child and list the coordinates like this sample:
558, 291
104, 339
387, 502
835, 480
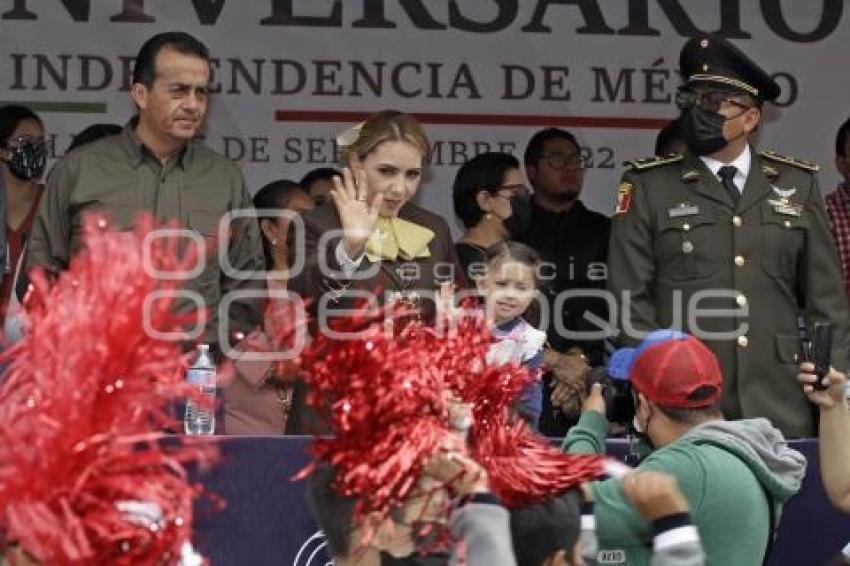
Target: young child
508, 288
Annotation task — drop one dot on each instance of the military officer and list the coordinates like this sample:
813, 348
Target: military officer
729, 243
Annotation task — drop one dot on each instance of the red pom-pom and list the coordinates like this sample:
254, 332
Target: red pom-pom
384, 401
386, 396
85, 387
524, 467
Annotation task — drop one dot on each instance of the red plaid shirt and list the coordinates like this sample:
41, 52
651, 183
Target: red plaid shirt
838, 210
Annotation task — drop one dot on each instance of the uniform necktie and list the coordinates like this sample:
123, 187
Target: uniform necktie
727, 173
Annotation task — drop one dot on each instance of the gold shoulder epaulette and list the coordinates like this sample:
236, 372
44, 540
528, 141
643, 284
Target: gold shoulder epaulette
799, 163
652, 162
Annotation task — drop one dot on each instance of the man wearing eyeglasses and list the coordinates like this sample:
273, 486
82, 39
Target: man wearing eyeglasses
573, 240
728, 242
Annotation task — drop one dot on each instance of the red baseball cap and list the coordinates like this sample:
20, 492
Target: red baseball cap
672, 369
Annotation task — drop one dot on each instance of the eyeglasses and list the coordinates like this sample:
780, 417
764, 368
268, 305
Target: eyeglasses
710, 101
520, 190
563, 160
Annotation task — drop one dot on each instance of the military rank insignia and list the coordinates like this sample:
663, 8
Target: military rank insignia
624, 197
785, 207
784, 193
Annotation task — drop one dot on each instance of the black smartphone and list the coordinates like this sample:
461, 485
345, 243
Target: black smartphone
821, 351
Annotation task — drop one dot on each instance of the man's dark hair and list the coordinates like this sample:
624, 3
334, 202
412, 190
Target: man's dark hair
276, 194
667, 137
318, 174
484, 172
538, 531
144, 71
841, 139
692, 416
534, 149
12, 115
334, 513
94, 133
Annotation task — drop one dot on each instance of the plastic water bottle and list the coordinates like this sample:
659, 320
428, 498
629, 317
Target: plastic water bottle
198, 420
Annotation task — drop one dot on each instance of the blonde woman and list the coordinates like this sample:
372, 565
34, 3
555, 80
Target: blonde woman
370, 237
370, 240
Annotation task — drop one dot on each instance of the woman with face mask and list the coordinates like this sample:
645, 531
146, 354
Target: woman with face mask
23, 156
492, 201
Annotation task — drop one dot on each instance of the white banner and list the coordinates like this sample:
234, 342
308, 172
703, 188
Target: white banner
289, 75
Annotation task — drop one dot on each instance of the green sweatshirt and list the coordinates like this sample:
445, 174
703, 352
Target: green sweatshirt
724, 470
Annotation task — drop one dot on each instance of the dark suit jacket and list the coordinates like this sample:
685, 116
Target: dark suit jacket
317, 277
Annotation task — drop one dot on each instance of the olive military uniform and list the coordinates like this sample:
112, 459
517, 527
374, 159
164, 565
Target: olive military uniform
679, 234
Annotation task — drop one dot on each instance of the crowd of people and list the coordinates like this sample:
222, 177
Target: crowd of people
709, 225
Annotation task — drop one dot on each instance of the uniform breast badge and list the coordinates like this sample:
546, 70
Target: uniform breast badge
786, 207
682, 210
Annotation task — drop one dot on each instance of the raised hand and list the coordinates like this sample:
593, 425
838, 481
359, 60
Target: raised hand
654, 494
571, 367
446, 310
594, 401
452, 466
567, 396
569, 379
832, 396
357, 215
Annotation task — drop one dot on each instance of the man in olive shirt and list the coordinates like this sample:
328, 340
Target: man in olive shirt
156, 165
730, 243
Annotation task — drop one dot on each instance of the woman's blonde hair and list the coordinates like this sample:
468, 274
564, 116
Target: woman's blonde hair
387, 125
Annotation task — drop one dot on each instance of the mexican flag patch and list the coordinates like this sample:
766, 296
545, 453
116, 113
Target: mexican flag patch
624, 197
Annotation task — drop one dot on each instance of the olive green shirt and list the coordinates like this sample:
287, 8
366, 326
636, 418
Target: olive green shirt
120, 176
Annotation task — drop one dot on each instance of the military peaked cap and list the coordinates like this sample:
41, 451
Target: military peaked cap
712, 60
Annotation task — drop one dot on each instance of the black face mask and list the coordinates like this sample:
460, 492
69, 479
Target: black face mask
520, 219
27, 161
702, 130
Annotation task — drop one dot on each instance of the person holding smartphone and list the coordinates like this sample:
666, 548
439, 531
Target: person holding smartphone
834, 450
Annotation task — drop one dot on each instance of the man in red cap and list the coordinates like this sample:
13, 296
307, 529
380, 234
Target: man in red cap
735, 475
